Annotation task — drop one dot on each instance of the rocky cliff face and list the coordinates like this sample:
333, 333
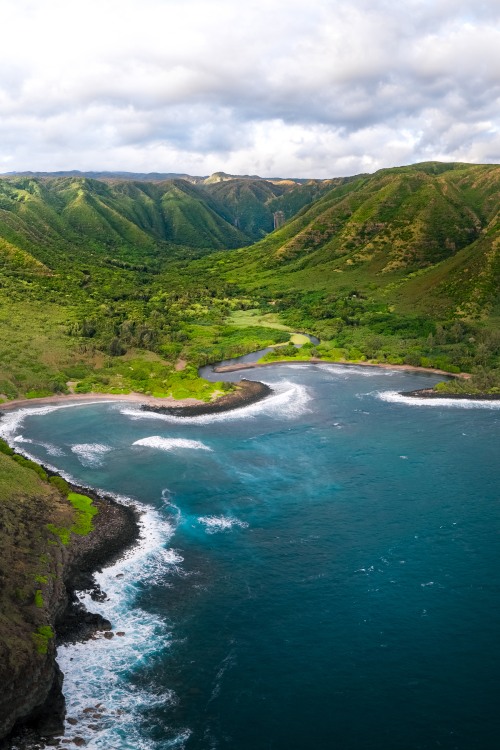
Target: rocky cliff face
28, 673
37, 575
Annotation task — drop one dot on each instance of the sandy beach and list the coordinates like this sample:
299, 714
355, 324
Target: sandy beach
138, 398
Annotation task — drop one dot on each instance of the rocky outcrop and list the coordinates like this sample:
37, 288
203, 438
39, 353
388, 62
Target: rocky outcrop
431, 393
247, 392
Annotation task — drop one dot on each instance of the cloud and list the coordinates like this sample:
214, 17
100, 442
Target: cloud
317, 88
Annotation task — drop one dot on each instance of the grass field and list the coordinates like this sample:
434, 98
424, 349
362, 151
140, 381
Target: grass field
256, 318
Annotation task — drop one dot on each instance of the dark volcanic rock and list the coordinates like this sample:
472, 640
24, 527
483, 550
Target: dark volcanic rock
248, 392
431, 393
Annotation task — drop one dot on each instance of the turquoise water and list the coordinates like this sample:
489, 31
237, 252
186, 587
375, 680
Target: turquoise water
319, 570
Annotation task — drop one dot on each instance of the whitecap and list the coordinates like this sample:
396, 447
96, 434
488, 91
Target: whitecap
364, 371
288, 401
169, 444
394, 397
52, 450
213, 524
90, 454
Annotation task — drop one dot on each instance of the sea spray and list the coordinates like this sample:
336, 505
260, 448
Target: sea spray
213, 524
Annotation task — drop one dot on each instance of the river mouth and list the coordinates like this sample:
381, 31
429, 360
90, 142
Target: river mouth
209, 372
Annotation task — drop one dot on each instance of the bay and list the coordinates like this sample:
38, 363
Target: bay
319, 570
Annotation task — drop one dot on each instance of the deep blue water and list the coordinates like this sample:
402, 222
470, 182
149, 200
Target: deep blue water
320, 570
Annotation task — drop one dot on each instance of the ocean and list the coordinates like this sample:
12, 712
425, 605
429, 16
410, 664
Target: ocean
319, 570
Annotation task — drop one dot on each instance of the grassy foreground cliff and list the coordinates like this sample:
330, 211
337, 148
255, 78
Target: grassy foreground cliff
32, 588
47, 536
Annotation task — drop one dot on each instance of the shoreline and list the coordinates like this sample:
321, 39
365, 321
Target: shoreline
193, 406
248, 392
83, 397
430, 393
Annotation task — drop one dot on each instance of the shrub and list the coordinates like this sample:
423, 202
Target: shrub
38, 598
41, 638
31, 465
61, 484
62, 532
5, 448
85, 511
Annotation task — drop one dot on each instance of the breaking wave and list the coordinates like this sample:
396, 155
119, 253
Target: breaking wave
169, 444
364, 371
52, 450
289, 400
90, 454
393, 397
11, 421
213, 524
97, 676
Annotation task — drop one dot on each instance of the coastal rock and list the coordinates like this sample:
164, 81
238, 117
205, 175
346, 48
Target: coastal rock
430, 393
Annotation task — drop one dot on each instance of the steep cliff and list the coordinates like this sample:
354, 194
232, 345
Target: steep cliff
32, 590
42, 558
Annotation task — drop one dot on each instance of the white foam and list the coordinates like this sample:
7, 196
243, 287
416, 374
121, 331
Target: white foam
52, 450
288, 401
213, 524
90, 454
171, 507
170, 444
394, 397
96, 672
367, 372
11, 421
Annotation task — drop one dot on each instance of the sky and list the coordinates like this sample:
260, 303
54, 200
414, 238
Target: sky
290, 88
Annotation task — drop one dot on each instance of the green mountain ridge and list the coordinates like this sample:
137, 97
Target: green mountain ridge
423, 239
139, 215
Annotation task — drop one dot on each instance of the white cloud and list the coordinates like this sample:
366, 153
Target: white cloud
295, 87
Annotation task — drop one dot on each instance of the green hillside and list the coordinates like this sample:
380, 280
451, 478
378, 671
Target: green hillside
399, 266
385, 233
118, 286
